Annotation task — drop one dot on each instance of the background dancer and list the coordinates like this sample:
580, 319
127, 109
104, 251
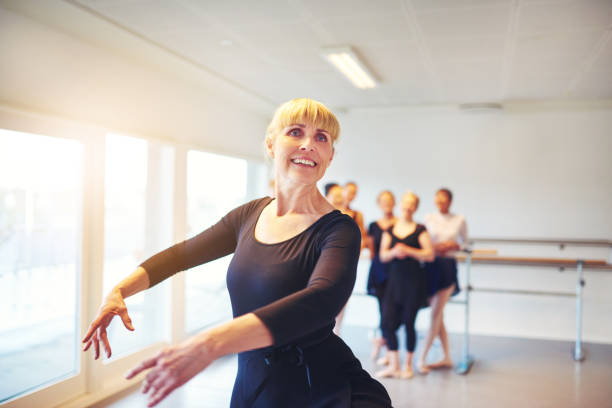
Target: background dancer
448, 233
405, 246
377, 278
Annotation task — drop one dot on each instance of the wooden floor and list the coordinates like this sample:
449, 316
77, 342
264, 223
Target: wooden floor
508, 372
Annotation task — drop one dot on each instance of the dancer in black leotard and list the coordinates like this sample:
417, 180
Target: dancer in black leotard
294, 266
406, 246
377, 278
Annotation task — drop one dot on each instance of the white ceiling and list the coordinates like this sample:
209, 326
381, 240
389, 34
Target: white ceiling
422, 51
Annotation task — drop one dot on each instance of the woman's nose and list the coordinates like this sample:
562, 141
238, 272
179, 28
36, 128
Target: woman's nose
307, 144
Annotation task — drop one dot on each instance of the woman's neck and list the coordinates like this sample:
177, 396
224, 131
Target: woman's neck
407, 221
299, 199
387, 219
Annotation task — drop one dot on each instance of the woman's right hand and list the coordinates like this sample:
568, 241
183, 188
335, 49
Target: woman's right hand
399, 251
113, 305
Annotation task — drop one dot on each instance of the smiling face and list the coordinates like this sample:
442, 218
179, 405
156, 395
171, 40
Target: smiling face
301, 152
442, 201
336, 197
300, 139
350, 190
386, 202
410, 203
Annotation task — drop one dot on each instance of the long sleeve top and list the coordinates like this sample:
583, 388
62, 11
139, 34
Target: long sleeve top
296, 287
447, 227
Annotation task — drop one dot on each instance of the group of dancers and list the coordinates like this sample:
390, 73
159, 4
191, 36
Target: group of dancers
412, 267
294, 267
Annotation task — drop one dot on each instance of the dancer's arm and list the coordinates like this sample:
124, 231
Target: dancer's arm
425, 253
387, 254
114, 305
213, 243
175, 365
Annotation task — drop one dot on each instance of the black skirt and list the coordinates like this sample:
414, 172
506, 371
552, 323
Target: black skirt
442, 273
323, 375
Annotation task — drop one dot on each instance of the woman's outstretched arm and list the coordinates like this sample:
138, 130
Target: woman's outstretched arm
114, 305
175, 365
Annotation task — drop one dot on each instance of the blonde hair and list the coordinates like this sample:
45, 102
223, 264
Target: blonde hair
413, 195
304, 109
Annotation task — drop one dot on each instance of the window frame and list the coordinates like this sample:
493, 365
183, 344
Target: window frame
97, 380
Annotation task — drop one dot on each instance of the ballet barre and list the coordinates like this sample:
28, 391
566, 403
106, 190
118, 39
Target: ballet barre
562, 243
469, 257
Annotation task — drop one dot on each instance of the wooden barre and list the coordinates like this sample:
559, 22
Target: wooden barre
548, 241
531, 261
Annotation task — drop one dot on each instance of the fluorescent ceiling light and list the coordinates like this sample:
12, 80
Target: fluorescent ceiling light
345, 61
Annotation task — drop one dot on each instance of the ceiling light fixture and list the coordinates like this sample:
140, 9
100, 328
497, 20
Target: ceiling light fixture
346, 61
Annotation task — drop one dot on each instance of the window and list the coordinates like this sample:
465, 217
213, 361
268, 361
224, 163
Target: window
215, 185
40, 224
127, 241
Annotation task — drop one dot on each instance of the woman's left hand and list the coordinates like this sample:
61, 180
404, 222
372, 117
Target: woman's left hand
172, 367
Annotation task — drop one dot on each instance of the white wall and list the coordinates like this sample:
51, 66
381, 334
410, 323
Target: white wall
524, 172
48, 71
530, 171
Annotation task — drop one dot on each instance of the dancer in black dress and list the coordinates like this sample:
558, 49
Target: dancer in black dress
406, 246
293, 269
377, 278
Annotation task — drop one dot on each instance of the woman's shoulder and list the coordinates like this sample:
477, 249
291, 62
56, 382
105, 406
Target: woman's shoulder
373, 227
241, 213
339, 224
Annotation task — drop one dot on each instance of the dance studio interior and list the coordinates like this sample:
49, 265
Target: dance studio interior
128, 126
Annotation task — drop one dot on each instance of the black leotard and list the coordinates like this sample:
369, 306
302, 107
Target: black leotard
296, 287
406, 293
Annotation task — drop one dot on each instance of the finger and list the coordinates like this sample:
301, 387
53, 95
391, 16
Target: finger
92, 328
86, 346
151, 379
162, 393
156, 384
140, 367
127, 322
96, 346
105, 342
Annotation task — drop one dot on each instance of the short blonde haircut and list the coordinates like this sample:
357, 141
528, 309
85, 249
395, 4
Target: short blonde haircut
304, 110
413, 195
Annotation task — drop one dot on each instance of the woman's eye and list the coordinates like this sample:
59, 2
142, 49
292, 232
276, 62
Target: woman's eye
322, 137
294, 132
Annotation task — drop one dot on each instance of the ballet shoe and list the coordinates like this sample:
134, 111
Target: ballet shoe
383, 361
407, 374
388, 373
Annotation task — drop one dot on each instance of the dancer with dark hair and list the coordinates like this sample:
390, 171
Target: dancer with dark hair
448, 233
350, 192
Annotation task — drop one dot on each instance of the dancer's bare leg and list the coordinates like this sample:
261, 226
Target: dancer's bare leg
438, 301
393, 371
446, 361
377, 345
407, 373
431, 333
